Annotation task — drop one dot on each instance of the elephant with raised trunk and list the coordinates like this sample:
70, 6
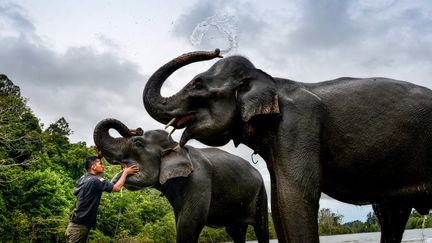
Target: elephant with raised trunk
204, 186
359, 140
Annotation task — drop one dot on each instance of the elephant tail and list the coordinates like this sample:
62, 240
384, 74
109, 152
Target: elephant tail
261, 217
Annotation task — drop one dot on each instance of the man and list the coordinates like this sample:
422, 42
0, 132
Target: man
88, 191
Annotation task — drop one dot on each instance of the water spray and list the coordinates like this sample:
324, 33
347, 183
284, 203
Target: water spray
225, 24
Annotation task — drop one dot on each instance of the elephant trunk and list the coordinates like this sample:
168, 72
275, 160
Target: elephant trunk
157, 106
112, 148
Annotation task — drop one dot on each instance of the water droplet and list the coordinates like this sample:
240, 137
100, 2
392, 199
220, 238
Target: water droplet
225, 25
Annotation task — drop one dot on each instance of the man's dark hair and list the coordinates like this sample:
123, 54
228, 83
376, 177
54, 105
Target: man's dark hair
89, 161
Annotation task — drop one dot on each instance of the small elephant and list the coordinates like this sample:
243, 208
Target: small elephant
359, 140
204, 186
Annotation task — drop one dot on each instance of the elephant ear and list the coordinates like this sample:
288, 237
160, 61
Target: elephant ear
256, 95
175, 163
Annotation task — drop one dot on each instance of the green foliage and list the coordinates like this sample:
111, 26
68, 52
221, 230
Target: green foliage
16, 228
219, 234
7, 87
272, 230
372, 224
131, 211
49, 229
329, 223
19, 128
42, 193
36, 186
160, 231
356, 226
417, 221
58, 132
98, 236
214, 235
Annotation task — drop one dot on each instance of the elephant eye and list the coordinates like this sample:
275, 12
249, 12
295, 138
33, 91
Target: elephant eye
197, 84
138, 143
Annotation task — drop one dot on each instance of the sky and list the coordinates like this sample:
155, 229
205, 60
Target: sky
89, 60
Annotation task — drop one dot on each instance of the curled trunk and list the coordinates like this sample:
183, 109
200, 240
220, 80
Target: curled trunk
112, 148
157, 106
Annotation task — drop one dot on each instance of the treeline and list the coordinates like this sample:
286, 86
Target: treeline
330, 223
38, 169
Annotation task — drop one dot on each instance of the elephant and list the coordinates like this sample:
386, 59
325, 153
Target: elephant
205, 186
359, 140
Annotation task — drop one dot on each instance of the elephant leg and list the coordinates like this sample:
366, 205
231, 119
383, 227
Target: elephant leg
192, 215
299, 218
277, 221
392, 218
261, 218
188, 228
297, 207
261, 234
237, 233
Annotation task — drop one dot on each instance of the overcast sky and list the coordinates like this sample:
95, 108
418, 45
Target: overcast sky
89, 60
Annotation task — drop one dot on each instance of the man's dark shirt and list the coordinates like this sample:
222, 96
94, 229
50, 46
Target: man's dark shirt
88, 190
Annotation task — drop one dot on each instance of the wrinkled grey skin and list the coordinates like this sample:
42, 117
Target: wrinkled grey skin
359, 140
204, 186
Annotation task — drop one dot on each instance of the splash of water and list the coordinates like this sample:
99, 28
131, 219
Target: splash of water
224, 24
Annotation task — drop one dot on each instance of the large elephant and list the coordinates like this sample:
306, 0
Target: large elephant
204, 186
359, 140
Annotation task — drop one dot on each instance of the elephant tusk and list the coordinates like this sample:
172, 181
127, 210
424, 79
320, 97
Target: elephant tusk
177, 148
171, 132
171, 122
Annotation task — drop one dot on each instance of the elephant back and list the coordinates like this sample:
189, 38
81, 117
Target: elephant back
229, 167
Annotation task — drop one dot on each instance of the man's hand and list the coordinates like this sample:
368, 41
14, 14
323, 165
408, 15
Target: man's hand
126, 171
130, 170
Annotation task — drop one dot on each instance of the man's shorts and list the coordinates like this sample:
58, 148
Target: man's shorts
77, 233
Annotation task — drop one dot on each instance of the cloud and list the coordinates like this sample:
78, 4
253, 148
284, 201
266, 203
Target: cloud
185, 24
12, 18
108, 43
322, 40
81, 84
323, 24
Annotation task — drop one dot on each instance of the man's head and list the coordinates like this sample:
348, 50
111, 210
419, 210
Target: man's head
93, 165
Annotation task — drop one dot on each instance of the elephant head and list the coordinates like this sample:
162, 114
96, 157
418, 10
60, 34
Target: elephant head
215, 104
153, 152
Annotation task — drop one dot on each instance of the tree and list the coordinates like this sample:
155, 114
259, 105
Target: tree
330, 223
356, 226
7, 87
372, 224
19, 128
35, 196
19, 137
59, 132
418, 221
